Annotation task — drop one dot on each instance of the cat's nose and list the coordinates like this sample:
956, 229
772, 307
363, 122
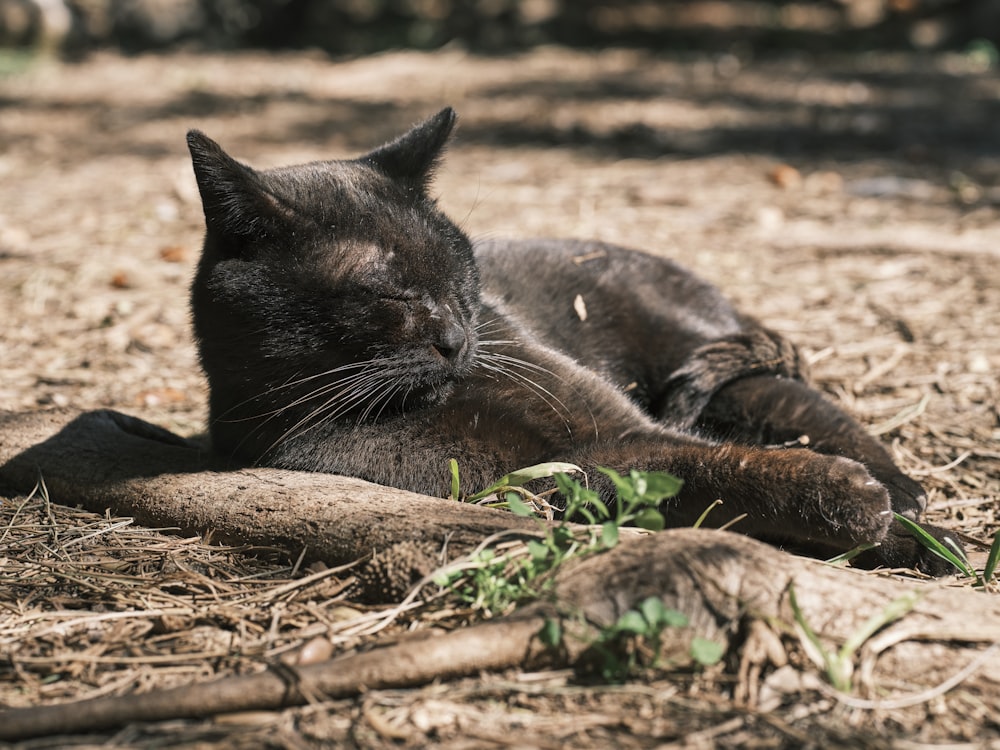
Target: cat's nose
452, 343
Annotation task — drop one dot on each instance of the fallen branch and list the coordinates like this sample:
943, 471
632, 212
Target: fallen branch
720, 580
728, 586
106, 460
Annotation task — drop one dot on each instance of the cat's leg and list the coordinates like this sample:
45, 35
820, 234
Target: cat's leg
827, 503
750, 389
779, 411
775, 411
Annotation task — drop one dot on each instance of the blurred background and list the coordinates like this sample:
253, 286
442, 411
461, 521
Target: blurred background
351, 27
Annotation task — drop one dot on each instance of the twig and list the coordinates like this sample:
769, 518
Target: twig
914, 699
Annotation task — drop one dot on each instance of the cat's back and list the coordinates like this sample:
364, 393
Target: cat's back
604, 304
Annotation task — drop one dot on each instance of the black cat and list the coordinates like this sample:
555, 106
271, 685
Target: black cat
347, 326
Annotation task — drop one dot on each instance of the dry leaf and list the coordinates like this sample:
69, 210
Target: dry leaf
785, 176
120, 280
174, 253
160, 396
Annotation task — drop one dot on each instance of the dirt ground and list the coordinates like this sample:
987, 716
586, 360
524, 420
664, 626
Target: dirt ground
850, 202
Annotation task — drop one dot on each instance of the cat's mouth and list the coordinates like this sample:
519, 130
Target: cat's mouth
447, 361
453, 346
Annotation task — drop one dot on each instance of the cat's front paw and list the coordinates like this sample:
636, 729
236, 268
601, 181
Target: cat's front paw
907, 496
851, 503
900, 549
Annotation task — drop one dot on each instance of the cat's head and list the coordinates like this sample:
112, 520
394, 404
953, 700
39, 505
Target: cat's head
336, 286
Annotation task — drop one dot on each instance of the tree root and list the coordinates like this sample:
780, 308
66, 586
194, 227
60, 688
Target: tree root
726, 584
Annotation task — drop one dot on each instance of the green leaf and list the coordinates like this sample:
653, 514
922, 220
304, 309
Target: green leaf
609, 534
895, 609
657, 614
706, 652
650, 519
579, 498
637, 480
444, 579
660, 485
583, 513
632, 622
453, 466
517, 506
674, 619
807, 630
539, 551
624, 487
992, 559
561, 537
934, 546
529, 473
959, 553
652, 609
845, 557
551, 633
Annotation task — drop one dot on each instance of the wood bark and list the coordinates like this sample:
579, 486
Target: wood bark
728, 585
106, 460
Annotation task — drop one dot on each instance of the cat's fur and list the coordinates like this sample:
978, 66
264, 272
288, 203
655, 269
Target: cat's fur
347, 326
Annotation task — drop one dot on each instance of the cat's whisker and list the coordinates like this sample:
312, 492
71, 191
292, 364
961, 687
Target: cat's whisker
290, 384
344, 385
391, 391
498, 342
512, 361
323, 374
368, 390
347, 392
375, 396
336, 407
550, 399
483, 325
524, 364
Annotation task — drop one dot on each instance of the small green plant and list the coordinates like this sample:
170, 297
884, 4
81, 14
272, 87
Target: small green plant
992, 559
704, 514
707, 652
638, 497
637, 638
455, 482
839, 665
489, 582
948, 550
499, 493
844, 557
494, 582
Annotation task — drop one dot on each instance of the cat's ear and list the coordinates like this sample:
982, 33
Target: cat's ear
235, 200
412, 157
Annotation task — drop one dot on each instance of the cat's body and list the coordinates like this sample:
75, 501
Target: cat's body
347, 326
